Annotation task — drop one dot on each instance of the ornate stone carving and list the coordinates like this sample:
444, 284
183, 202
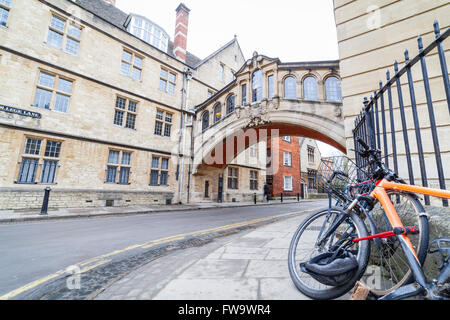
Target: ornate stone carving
338, 112
258, 114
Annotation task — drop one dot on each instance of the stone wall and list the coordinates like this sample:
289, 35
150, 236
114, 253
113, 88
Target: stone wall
29, 199
371, 36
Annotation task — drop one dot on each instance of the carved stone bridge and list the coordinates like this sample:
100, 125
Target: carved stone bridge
269, 98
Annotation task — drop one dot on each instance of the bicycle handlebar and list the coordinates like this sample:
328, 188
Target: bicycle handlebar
335, 173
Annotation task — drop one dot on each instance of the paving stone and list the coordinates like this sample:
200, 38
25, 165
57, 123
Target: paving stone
209, 289
211, 269
278, 254
267, 269
279, 243
250, 242
280, 289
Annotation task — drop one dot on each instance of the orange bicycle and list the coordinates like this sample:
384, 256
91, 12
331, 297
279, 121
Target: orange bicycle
331, 249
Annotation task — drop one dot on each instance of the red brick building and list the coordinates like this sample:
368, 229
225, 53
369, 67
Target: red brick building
283, 168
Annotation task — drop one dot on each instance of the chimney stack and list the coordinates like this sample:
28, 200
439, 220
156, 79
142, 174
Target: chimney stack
113, 2
181, 32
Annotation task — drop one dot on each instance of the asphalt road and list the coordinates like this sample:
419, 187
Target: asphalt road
32, 251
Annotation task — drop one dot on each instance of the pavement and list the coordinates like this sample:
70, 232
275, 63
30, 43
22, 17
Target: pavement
11, 216
251, 265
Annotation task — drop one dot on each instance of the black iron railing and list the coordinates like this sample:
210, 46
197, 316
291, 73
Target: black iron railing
371, 124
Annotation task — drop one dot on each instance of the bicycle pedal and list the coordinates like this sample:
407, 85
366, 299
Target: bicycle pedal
442, 249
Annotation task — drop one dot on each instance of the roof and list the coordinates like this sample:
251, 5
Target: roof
212, 55
117, 17
310, 64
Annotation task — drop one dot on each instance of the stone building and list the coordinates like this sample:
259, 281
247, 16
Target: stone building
96, 104
284, 178
268, 99
371, 36
107, 110
309, 165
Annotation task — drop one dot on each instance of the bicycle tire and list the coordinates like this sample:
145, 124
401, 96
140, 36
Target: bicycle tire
387, 268
299, 278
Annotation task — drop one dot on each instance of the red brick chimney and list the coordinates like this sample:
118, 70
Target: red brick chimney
113, 2
181, 32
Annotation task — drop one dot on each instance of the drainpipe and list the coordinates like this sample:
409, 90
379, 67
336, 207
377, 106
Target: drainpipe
191, 159
188, 74
183, 90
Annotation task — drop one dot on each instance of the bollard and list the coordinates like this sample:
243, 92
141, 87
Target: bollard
282, 197
45, 202
254, 198
298, 197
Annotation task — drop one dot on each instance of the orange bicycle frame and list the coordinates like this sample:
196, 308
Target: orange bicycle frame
380, 194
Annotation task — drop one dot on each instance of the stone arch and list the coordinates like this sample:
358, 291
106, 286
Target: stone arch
219, 145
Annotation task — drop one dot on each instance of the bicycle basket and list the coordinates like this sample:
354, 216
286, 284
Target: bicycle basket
342, 178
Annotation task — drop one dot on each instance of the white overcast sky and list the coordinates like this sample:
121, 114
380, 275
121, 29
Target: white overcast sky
292, 30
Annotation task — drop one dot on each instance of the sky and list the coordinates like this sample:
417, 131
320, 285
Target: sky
291, 30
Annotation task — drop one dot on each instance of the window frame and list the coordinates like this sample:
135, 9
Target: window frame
40, 158
118, 166
54, 90
132, 64
205, 120
311, 154
164, 123
257, 85
287, 163
217, 118
8, 10
159, 171
230, 104
125, 112
167, 81
221, 72
286, 93
285, 187
233, 178
307, 90
270, 85
68, 22
335, 90
253, 180
243, 94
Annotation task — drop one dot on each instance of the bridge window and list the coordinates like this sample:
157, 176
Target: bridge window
244, 94
230, 104
333, 89
270, 87
205, 121
257, 86
290, 88
217, 113
310, 89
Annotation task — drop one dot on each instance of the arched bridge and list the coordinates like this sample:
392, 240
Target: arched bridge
266, 99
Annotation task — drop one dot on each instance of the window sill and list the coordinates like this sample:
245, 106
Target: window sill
4, 27
157, 135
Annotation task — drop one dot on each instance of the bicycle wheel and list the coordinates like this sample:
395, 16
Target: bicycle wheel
304, 246
388, 268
